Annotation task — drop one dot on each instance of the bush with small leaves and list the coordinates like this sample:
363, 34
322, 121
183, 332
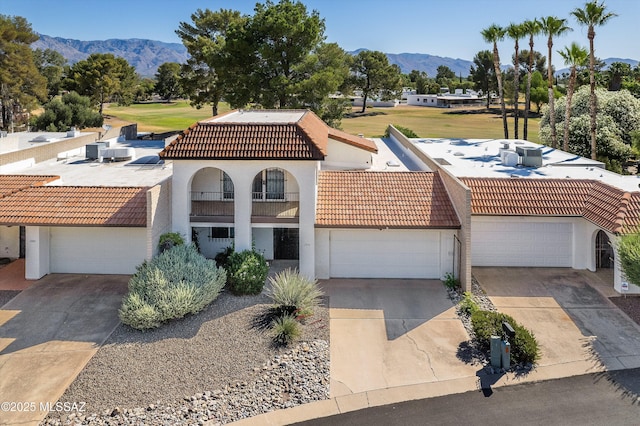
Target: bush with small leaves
285, 330
246, 272
450, 281
169, 240
176, 283
294, 293
524, 346
467, 305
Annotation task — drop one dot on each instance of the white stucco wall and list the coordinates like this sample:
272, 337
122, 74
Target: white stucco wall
242, 173
158, 215
37, 252
263, 239
10, 241
343, 156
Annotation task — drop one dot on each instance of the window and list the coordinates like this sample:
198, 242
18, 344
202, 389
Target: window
227, 187
269, 185
222, 232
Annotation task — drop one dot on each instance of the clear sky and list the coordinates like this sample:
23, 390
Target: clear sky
438, 27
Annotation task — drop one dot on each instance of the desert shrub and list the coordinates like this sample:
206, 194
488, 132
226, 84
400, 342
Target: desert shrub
246, 272
405, 131
222, 258
176, 283
285, 330
524, 346
294, 293
467, 305
450, 281
169, 240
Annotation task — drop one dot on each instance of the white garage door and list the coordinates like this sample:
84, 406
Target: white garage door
97, 250
521, 244
385, 254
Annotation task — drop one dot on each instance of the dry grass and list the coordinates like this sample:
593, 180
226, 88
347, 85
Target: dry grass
427, 122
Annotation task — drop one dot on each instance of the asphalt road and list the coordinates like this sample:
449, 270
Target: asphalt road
611, 398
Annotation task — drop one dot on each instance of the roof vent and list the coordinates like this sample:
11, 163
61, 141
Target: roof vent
458, 154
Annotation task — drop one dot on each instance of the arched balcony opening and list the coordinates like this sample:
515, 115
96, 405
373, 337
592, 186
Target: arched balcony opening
212, 196
275, 197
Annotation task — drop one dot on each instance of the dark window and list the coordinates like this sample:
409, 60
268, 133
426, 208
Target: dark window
227, 187
269, 185
222, 232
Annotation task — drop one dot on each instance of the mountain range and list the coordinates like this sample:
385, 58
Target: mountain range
147, 55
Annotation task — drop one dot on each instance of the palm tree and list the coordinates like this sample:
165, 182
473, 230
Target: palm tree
494, 34
592, 15
516, 32
532, 28
574, 56
552, 26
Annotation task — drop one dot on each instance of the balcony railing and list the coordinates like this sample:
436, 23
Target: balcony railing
264, 205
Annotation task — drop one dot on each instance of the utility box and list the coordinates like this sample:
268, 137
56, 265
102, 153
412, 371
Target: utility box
92, 150
496, 352
506, 354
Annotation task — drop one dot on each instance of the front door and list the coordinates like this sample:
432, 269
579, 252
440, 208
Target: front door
285, 243
604, 251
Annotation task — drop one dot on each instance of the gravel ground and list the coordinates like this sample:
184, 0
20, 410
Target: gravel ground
630, 305
6, 295
207, 352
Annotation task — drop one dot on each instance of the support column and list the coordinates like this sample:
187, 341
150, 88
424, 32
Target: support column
37, 263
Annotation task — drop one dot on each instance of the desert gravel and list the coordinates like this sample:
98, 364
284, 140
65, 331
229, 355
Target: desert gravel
217, 348
630, 305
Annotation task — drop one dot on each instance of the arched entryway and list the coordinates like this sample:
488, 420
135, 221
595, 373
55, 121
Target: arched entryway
605, 256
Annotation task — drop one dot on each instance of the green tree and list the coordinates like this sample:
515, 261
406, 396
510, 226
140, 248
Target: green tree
538, 90
618, 119
552, 27
593, 15
617, 72
575, 56
21, 85
483, 74
72, 110
444, 75
144, 89
516, 32
202, 78
373, 75
420, 80
104, 78
50, 64
325, 71
167, 81
532, 29
264, 52
493, 34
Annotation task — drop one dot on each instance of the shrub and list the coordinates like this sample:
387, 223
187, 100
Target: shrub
524, 347
405, 131
222, 258
176, 283
285, 330
450, 281
246, 272
294, 293
169, 240
467, 305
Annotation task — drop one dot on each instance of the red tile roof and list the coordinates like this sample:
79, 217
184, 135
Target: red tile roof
76, 206
604, 205
304, 139
10, 184
383, 199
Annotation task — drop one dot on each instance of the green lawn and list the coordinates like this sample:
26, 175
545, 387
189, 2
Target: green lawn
425, 122
160, 117
436, 122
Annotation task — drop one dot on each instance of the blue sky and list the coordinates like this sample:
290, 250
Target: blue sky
438, 27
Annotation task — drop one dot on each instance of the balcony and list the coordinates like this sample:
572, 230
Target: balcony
265, 207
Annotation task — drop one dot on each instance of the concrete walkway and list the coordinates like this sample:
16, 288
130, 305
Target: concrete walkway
47, 335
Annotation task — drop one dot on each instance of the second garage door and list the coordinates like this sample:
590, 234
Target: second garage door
385, 254
533, 244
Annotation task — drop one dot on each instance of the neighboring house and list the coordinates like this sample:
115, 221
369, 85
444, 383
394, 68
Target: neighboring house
447, 100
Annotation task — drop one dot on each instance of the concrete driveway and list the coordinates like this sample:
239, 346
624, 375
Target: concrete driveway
576, 326
47, 335
390, 332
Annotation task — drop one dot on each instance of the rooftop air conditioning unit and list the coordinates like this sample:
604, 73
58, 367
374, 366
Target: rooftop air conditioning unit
532, 157
92, 150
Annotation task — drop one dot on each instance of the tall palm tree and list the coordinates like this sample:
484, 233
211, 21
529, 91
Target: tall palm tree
532, 29
575, 56
594, 14
551, 27
493, 34
516, 32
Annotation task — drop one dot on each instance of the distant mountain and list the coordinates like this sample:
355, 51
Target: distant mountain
425, 62
145, 55
607, 61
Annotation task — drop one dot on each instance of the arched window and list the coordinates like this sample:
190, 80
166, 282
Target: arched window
269, 185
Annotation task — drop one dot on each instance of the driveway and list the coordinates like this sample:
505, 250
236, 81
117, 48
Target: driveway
574, 323
47, 335
391, 332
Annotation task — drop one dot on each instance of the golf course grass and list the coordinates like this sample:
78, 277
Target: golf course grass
426, 122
